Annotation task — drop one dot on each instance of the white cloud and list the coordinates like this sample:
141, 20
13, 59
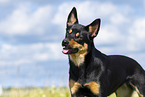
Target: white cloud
108, 34
116, 21
30, 53
61, 15
120, 33
24, 21
118, 18
4, 1
87, 10
136, 37
111, 15
93, 10
138, 28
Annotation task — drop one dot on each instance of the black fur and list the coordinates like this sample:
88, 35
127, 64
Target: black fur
108, 71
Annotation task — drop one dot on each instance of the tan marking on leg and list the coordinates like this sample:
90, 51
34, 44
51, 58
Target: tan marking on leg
136, 89
75, 87
71, 83
94, 87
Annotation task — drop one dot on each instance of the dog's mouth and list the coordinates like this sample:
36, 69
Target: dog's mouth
69, 50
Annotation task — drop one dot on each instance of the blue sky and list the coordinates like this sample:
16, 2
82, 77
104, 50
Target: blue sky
31, 31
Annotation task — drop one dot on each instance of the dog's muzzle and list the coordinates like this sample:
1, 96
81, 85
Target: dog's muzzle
67, 49
65, 44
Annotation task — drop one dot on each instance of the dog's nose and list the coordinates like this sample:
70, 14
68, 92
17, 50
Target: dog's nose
65, 42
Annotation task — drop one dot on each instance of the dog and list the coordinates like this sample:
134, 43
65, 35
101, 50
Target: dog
94, 74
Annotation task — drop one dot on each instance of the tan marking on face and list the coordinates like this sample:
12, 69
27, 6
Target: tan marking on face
79, 57
94, 87
77, 34
70, 31
75, 87
72, 43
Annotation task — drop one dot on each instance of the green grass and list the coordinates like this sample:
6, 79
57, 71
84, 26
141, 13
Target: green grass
38, 92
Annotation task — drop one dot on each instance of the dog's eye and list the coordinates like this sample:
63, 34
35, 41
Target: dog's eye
77, 35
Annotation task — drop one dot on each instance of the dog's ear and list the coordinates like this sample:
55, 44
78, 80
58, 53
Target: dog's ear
93, 28
72, 17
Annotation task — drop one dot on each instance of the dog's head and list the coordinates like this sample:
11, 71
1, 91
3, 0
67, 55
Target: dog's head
79, 38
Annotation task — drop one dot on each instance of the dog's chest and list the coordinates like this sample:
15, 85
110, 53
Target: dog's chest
77, 59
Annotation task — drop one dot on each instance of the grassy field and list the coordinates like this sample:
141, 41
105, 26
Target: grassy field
37, 92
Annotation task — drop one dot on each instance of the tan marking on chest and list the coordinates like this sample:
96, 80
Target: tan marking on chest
94, 87
79, 57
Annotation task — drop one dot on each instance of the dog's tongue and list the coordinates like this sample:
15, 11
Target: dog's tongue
65, 50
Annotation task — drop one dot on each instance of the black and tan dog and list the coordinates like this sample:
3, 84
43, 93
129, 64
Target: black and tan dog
94, 74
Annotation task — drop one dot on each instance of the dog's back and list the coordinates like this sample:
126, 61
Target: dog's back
124, 68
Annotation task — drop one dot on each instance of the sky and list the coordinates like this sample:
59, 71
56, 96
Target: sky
31, 32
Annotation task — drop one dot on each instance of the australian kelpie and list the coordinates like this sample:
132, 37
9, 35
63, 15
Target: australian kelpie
94, 74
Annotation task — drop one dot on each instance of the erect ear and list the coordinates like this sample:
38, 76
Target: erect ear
72, 17
93, 28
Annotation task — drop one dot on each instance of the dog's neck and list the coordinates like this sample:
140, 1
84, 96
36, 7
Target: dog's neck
79, 63
79, 57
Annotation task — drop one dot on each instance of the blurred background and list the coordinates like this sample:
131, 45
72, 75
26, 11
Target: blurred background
31, 32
